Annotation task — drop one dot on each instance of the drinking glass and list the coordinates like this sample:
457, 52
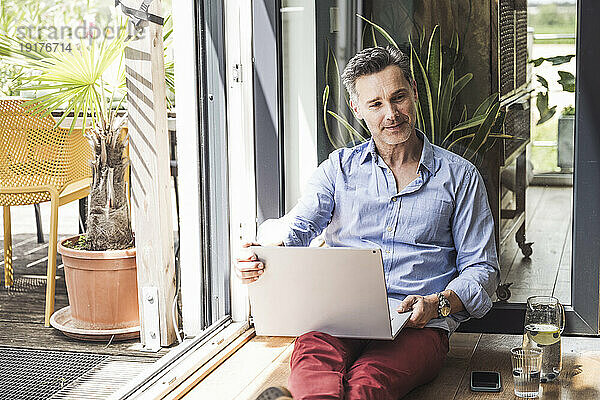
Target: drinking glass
526, 367
544, 324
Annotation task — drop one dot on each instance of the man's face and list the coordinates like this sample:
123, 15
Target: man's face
387, 103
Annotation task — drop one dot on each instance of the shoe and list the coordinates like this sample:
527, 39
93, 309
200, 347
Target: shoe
275, 393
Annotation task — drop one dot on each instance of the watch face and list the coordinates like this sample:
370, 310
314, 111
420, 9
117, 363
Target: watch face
445, 311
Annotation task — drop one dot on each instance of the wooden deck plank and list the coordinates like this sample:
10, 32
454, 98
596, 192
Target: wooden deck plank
566, 259
548, 230
264, 362
26, 303
579, 379
491, 354
510, 251
562, 291
22, 309
562, 284
274, 375
202, 366
36, 336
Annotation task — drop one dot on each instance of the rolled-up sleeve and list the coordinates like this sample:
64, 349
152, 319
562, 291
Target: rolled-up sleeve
476, 257
312, 213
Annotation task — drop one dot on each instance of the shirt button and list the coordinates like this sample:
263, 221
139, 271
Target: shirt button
389, 228
387, 252
394, 199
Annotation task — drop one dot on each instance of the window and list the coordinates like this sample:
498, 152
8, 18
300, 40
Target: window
297, 136
202, 161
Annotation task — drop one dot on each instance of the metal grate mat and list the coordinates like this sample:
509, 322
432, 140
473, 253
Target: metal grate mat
105, 379
27, 374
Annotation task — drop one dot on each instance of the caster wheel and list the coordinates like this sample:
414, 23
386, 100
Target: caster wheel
526, 249
503, 291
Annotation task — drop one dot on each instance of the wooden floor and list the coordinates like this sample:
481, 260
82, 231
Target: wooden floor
264, 362
549, 226
22, 306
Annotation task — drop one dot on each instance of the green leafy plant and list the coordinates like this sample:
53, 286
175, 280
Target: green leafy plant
568, 110
169, 63
88, 82
31, 21
14, 13
566, 80
438, 87
79, 244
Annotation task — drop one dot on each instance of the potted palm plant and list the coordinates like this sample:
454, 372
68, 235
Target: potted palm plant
88, 83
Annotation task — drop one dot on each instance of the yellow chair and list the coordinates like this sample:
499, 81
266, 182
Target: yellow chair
39, 162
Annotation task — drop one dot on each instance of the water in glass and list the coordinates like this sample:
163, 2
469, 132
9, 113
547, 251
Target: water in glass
526, 366
544, 323
527, 383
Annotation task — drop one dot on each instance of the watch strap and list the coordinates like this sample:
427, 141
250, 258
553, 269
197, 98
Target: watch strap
442, 303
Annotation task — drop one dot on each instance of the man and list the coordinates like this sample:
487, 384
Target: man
425, 207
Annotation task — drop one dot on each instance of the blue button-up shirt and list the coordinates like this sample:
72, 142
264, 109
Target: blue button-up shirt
437, 233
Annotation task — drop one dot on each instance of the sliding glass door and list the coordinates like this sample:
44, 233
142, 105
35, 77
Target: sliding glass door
555, 211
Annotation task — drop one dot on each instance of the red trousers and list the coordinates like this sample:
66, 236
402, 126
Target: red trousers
325, 367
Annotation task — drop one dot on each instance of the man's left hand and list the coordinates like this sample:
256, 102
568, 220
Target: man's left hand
424, 309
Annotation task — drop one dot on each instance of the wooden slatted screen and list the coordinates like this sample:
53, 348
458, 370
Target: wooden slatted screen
150, 173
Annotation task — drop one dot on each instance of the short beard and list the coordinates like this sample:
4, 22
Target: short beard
397, 139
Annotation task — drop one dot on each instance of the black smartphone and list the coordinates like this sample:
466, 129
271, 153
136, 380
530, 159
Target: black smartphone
485, 381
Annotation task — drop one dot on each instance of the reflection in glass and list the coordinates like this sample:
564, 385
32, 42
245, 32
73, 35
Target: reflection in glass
550, 159
487, 42
299, 102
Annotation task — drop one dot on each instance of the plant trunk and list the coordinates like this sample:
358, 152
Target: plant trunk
109, 222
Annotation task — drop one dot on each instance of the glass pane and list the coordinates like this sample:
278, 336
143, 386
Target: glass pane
489, 42
552, 27
299, 102
216, 255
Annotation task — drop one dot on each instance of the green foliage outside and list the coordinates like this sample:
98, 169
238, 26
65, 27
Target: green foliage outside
31, 24
41, 21
87, 79
544, 158
553, 18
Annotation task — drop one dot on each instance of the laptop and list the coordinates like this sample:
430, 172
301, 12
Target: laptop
337, 290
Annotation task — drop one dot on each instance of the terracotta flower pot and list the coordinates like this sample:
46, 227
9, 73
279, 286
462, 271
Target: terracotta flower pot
102, 287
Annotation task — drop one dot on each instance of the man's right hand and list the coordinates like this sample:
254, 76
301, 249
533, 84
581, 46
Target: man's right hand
249, 269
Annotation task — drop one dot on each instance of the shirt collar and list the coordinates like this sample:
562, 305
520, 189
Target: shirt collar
427, 159
369, 151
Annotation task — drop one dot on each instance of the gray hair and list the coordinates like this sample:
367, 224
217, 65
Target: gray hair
372, 60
